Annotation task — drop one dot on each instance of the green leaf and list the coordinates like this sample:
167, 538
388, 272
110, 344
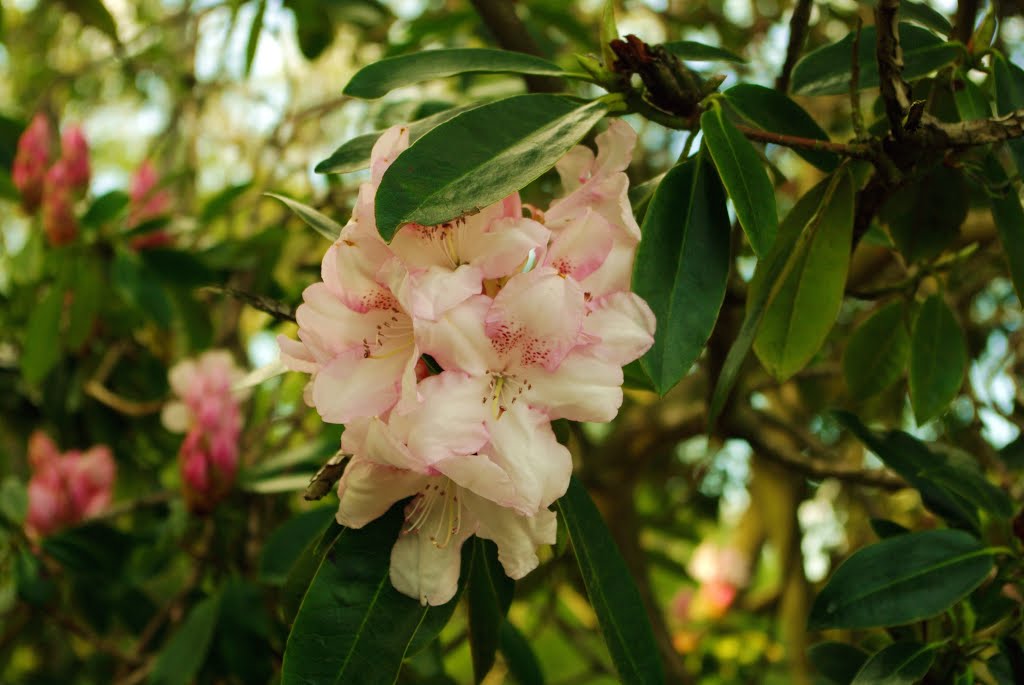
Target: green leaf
971, 100
920, 13
221, 202
254, 36
682, 266
284, 545
490, 595
355, 154
811, 211
699, 52
180, 267
804, 308
304, 569
326, 227
901, 663
744, 177
13, 500
901, 580
837, 662
770, 110
877, 352
93, 13
938, 359
1009, 91
972, 487
105, 207
609, 32
378, 79
826, 71
925, 216
138, 286
353, 626
613, 594
912, 459
92, 550
501, 147
519, 657
42, 347
185, 652
1008, 216
884, 528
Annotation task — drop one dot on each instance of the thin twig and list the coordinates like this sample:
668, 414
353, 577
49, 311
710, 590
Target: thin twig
797, 37
510, 33
857, 117
278, 310
895, 91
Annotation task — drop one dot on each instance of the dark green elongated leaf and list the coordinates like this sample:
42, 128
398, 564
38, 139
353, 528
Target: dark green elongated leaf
501, 147
971, 101
1008, 216
254, 36
353, 626
770, 110
41, 350
900, 580
490, 595
938, 359
901, 663
519, 657
13, 500
682, 266
971, 486
614, 596
884, 528
323, 225
184, 654
104, 208
378, 79
93, 13
877, 352
744, 178
287, 542
804, 308
690, 50
837, 662
93, 550
810, 212
179, 267
923, 14
138, 285
925, 216
302, 571
355, 154
1009, 87
826, 71
221, 202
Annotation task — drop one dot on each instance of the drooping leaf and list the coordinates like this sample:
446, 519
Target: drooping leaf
768, 109
922, 13
810, 213
353, 627
490, 595
284, 545
104, 208
837, 662
304, 569
480, 157
1009, 91
971, 100
938, 359
179, 267
379, 78
826, 71
744, 177
901, 663
613, 594
95, 14
690, 50
925, 216
900, 580
254, 36
185, 652
355, 153
1008, 216
877, 352
913, 460
682, 265
42, 347
323, 225
519, 657
221, 202
804, 307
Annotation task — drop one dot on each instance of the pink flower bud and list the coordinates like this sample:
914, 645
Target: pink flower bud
66, 489
41, 450
59, 220
30, 161
75, 156
91, 480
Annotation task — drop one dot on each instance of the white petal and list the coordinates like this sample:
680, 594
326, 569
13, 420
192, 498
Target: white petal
425, 571
583, 388
448, 420
457, 340
176, 417
525, 447
354, 386
503, 248
478, 474
624, 326
517, 536
366, 491
581, 246
575, 167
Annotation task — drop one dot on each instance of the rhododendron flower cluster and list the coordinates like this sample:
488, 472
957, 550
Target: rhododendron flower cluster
722, 572
209, 414
55, 186
67, 488
523, 320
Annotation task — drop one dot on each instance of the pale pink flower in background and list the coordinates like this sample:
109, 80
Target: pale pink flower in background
209, 411
712, 562
437, 267
458, 490
59, 221
75, 157
30, 161
66, 489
